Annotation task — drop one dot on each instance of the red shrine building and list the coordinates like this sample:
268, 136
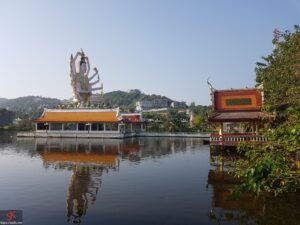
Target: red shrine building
236, 116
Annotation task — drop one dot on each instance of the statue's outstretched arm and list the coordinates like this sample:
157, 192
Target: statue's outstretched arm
95, 82
92, 77
95, 74
88, 66
71, 65
76, 56
96, 89
74, 62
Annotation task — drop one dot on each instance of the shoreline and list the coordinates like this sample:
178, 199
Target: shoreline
113, 135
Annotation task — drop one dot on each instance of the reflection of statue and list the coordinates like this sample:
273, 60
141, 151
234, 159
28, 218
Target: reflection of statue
82, 84
83, 190
88, 160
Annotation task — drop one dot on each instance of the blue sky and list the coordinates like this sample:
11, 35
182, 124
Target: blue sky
159, 46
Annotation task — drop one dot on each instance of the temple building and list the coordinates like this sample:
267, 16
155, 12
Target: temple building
236, 116
88, 123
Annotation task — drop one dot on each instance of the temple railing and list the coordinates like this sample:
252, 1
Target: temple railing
233, 139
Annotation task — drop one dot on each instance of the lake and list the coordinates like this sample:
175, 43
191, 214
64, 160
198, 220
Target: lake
132, 181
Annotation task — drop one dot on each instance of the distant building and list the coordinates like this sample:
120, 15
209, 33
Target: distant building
144, 104
6, 117
159, 104
152, 104
180, 105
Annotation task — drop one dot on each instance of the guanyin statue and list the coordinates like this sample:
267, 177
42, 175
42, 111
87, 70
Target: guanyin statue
83, 84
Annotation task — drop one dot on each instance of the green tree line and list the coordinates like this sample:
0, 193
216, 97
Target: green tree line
275, 166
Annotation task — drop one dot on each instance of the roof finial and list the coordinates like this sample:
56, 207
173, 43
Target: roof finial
210, 85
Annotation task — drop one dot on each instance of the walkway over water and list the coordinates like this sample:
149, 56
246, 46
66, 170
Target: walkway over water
234, 139
115, 135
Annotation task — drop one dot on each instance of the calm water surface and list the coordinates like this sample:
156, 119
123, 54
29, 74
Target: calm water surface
132, 181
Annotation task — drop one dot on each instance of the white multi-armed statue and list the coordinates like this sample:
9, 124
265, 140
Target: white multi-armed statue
83, 84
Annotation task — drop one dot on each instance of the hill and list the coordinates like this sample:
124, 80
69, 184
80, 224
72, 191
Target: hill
128, 99
33, 105
29, 105
2, 100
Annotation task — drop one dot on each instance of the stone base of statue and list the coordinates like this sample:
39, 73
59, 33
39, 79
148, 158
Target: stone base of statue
96, 99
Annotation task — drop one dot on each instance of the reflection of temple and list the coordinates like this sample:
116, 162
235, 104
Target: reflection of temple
223, 184
87, 159
247, 209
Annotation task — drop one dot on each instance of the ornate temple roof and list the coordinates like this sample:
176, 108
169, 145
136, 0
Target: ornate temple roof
79, 115
235, 116
237, 100
132, 118
237, 105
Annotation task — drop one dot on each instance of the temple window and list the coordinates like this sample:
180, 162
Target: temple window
97, 127
70, 126
82, 126
56, 126
111, 126
42, 126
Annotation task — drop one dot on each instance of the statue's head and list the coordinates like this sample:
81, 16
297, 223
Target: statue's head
82, 64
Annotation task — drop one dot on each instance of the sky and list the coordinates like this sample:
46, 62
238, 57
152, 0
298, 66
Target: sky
165, 47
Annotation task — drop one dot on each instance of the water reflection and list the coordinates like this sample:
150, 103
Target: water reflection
82, 191
89, 159
248, 209
132, 181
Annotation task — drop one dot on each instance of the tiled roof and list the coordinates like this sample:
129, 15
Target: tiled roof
87, 115
235, 116
132, 118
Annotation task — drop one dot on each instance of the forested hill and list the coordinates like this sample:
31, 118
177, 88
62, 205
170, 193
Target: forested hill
29, 105
129, 99
34, 105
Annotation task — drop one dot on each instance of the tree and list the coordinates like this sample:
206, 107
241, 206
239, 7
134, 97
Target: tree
177, 121
274, 166
198, 123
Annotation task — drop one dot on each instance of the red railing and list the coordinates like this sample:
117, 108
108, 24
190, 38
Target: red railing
234, 139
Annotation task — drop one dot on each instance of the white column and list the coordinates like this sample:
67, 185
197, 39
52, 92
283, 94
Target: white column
221, 129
